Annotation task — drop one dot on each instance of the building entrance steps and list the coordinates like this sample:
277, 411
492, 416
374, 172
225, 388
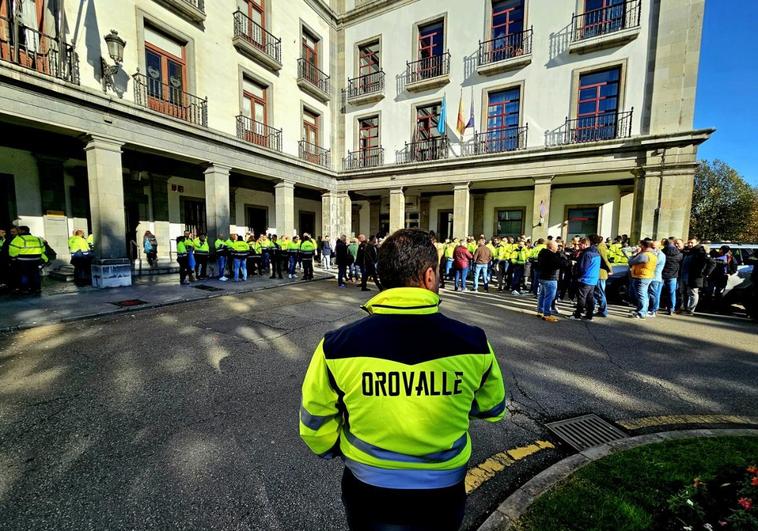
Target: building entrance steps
63, 301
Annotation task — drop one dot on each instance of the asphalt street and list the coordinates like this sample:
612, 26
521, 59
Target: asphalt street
186, 416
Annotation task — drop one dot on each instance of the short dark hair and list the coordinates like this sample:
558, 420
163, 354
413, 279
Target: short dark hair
595, 239
404, 257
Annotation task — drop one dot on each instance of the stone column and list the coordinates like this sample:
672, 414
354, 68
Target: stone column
374, 213
217, 201
285, 208
336, 214
461, 204
626, 207
478, 229
106, 198
646, 190
541, 208
397, 209
159, 194
675, 205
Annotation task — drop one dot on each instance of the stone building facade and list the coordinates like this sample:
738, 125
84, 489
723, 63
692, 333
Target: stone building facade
325, 117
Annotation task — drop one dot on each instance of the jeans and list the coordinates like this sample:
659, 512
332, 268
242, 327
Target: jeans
585, 300
640, 289
693, 297
481, 269
341, 274
307, 268
548, 291
534, 288
670, 288
460, 276
221, 265
240, 266
600, 299
326, 261
655, 295
292, 262
353, 271
502, 273
518, 275
448, 266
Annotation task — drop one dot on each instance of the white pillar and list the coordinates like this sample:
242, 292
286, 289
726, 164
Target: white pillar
397, 209
541, 208
285, 208
217, 201
336, 214
461, 205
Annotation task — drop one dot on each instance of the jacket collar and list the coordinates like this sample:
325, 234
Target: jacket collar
407, 301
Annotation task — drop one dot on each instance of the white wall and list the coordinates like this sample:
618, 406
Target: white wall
496, 200
606, 197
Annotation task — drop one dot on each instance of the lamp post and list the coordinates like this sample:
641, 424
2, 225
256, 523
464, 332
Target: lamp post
116, 47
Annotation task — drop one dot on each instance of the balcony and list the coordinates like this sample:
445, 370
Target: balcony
435, 148
259, 134
313, 153
37, 51
194, 10
372, 157
597, 128
606, 27
428, 73
312, 80
499, 141
171, 101
505, 53
365, 89
252, 40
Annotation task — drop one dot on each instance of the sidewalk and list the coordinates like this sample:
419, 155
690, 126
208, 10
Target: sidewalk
63, 301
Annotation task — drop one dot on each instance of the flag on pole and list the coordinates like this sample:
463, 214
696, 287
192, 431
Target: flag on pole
461, 124
441, 127
470, 122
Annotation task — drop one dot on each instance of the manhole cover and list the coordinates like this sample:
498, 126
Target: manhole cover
205, 287
129, 302
586, 431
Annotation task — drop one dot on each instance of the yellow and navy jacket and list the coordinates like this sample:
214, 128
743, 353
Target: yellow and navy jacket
307, 248
78, 244
201, 247
396, 409
27, 248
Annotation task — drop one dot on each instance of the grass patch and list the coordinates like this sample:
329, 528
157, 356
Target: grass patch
630, 490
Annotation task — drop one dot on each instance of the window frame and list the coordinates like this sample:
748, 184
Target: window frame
578, 72
440, 17
316, 126
494, 13
165, 57
496, 222
565, 225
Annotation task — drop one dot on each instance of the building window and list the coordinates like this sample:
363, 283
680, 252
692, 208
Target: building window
507, 18
368, 59
597, 107
602, 16
510, 222
427, 120
368, 133
310, 48
582, 221
166, 65
431, 39
502, 121
254, 109
310, 127
256, 11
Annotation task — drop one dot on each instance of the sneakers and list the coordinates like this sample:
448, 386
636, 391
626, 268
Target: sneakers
550, 319
574, 318
223, 279
515, 292
651, 314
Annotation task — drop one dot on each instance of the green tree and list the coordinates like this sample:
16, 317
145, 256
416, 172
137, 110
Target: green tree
722, 203
750, 231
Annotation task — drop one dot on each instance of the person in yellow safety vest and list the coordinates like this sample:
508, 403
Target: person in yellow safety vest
519, 255
615, 253
503, 254
293, 249
202, 253
239, 250
307, 250
265, 252
276, 257
398, 407
221, 254
81, 258
535, 273
449, 250
27, 255
91, 242
182, 258
283, 258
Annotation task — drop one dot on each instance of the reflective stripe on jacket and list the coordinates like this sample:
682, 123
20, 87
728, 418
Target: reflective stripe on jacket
398, 408
27, 248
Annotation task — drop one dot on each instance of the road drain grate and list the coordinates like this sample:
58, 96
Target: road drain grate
206, 287
586, 431
129, 302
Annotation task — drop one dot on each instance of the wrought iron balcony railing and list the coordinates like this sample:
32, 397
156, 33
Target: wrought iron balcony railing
372, 157
606, 20
259, 134
366, 84
427, 68
313, 153
600, 127
170, 100
500, 140
505, 47
311, 73
38, 51
255, 34
435, 148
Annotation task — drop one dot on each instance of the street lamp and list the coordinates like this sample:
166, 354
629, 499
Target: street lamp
116, 47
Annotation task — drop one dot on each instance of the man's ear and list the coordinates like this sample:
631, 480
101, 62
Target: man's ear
429, 279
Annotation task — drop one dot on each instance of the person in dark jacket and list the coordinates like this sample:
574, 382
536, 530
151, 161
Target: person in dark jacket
699, 267
587, 276
342, 260
670, 274
549, 267
370, 257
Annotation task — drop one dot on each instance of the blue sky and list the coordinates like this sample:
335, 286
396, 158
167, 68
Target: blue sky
727, 91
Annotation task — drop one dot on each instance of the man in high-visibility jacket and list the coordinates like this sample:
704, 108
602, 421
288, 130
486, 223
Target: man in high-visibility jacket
519, 255
292, 252
504, 262
202, 252
81, 258
239, 249
221, 254
27, 255
307, 249
277, 256
409, 380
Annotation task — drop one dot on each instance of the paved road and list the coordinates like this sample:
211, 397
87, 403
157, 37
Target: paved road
186, 416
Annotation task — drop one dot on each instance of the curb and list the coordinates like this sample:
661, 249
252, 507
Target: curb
151, 306
510, 511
